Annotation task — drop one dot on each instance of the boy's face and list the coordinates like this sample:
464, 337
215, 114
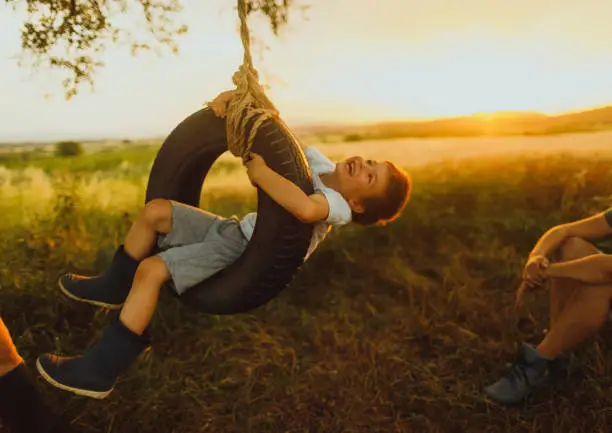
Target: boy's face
361, 179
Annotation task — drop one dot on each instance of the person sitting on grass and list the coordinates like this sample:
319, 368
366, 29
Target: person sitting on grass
196, 244
580, 276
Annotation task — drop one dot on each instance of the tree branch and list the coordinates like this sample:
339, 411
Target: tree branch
70, 35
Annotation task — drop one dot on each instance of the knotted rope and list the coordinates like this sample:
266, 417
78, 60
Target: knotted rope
249, 99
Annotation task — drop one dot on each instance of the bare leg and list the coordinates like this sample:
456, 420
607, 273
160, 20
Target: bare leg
582, 317
562, 290
577, 311
94, 373
155, 217
142, 300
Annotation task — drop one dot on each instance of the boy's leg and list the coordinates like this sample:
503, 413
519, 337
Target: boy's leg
141, 302
94, 373
110, 289
577, 312
155, 218
193, 263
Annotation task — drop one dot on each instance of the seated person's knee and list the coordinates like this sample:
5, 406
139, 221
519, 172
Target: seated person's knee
574, 248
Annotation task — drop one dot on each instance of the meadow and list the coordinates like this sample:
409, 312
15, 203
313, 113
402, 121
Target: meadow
392, 329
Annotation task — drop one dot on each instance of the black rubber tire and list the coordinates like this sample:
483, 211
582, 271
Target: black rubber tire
280, 241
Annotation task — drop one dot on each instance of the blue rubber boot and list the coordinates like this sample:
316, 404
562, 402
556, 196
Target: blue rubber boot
108, 290
94, 373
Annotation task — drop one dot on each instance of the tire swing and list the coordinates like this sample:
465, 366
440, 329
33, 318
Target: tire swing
280, 241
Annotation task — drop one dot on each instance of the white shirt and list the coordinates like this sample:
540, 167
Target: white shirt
339, 209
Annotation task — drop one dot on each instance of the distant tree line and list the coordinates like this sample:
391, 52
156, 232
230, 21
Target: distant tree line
68, 148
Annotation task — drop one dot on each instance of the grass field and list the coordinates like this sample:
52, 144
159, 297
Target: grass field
391, 329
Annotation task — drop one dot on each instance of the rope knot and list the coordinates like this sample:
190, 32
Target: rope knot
250, 102
242, 75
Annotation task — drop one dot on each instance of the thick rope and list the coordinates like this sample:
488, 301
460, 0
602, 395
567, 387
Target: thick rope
249, 100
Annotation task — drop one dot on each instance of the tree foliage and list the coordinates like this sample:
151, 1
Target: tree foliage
71, 34
68, 148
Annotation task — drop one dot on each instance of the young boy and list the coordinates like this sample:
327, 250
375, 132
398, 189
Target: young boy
580, 301
196, 244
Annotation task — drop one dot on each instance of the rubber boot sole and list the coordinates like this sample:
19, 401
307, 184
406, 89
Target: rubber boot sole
98, 304
99, 395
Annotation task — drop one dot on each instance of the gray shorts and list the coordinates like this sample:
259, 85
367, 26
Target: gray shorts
199, 245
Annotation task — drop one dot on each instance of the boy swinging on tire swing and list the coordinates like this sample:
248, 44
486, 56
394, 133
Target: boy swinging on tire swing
196, 244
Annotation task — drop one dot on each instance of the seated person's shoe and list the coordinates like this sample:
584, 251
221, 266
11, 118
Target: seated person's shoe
529, 372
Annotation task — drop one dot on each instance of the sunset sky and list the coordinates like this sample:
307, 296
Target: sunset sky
350, 61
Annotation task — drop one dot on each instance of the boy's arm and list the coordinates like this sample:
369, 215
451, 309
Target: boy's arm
307, 209
221, 102
590, 228
595, 269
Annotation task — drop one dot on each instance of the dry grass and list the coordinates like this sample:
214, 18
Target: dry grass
384, 330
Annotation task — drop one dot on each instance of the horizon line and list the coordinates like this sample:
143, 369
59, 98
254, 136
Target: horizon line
301, 124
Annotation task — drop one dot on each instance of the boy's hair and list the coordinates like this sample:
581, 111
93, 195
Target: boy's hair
383, 210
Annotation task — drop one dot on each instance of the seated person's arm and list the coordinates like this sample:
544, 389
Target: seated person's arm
307, 209
591, 228
594, 269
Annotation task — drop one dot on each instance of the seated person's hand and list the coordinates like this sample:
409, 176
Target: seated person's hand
534, 277
254, 166
9, 358
535, 271
221, 102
